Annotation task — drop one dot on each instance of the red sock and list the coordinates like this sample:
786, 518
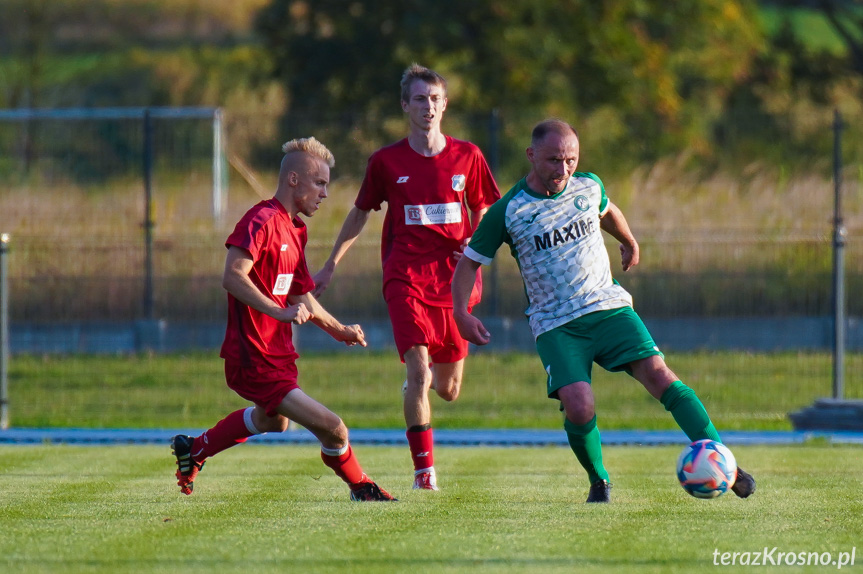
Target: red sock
421, 444
228, 432
346, 466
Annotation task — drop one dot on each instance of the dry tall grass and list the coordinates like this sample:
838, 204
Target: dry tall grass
759, 235
659, 200
667, 199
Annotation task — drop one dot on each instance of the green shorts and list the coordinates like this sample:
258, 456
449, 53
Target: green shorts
612, 339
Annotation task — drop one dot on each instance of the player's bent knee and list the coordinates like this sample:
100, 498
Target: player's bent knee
263, 423
279, 424
578, 402
423, 385
448, 397
580, 415
449, 393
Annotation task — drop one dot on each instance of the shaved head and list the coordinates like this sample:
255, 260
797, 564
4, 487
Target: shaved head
552, 125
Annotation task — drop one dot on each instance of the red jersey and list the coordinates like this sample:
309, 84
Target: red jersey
277, 246
427, 219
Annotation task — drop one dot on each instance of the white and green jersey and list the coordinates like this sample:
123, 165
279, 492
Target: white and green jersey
559, 248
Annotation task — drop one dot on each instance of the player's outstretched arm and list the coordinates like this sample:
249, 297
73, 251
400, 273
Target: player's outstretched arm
351, 228
616, 225
347, 334
463, 280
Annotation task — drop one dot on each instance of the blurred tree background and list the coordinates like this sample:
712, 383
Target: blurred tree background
710, 122
642, 80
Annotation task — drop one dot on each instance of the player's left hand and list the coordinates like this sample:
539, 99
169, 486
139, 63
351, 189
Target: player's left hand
629, 256
322, 280
471, 329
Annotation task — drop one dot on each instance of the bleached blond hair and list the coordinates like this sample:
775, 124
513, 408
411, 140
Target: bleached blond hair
310, 146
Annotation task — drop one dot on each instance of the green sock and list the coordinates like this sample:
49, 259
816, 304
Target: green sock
585, 443
690, 414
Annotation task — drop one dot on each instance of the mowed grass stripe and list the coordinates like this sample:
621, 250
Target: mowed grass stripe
741, 391
110, 509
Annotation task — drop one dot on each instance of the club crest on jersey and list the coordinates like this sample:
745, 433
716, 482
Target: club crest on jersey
458, 182
582, 203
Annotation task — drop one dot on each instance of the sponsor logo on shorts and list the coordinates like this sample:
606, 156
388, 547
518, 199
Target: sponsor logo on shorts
403, 179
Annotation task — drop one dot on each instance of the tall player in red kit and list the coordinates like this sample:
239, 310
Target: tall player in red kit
437, 189
269, 288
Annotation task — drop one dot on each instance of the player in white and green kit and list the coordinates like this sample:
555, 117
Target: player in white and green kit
552, 221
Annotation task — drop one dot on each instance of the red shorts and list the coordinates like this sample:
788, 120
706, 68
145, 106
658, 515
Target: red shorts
265, 388
415, 323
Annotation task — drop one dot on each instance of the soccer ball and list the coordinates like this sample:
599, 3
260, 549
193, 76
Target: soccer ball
706, 469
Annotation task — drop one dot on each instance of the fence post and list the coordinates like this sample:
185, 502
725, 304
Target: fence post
4, 332
148, 215
839, 233
219, 169
494, 163
835, 413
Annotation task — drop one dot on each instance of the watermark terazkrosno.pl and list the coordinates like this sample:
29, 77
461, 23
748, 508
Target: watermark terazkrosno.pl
776, 557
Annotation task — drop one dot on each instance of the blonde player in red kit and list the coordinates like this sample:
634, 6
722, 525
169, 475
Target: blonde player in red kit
437, 189
269, 288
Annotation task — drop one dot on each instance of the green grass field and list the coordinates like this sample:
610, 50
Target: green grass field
740, 390
278, 508
258, 507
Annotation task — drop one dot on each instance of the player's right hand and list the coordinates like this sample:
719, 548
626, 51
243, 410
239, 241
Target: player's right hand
298, 314
322, 280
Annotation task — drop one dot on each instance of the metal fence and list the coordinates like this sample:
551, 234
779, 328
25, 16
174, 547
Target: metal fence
701, 279
83, 278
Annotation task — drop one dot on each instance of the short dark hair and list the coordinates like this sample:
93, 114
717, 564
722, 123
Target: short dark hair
417, 72
548, 126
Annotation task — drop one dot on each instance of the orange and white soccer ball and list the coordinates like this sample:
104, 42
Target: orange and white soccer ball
706, 469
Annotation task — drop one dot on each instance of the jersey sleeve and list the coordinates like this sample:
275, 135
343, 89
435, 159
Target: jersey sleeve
603, 202
489, 235
372, 191
485, 191
247, 235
